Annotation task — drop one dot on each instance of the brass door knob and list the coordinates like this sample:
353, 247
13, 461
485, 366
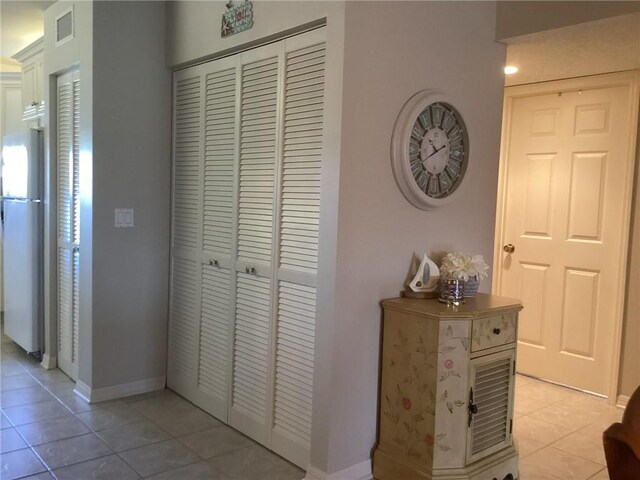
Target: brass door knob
509, 248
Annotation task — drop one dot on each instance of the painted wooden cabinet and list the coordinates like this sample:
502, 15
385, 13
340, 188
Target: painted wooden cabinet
31, 59
446, 398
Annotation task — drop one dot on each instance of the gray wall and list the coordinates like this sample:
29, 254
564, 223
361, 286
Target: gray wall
77, 52
131, 168
390, 54
516, 18
125, 113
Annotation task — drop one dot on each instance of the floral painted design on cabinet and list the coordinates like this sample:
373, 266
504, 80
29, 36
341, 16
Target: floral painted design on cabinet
493, 331
425, 373
451, 410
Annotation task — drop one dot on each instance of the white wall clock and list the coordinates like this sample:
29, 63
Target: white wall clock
429, 150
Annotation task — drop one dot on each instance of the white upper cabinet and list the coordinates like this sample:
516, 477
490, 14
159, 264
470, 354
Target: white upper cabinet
31, 59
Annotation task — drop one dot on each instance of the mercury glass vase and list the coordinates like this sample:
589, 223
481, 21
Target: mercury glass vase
452, 291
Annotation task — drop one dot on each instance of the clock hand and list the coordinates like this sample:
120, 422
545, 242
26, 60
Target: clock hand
435, 151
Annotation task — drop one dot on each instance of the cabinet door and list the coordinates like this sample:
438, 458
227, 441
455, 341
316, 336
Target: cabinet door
491, 392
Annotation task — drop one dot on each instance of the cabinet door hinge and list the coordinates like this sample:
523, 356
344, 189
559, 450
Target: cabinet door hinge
514, 367
511, 426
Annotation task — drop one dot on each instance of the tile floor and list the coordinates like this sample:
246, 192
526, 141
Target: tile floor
49, 432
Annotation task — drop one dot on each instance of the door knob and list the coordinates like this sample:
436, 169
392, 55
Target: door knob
509, 248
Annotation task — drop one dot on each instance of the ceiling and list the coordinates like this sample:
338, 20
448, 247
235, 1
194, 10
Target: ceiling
21, 23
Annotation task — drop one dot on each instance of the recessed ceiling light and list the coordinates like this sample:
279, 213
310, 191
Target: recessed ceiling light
510, 70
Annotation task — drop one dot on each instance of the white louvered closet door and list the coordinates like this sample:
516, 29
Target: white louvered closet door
182, 371
258, 143
218, 239
68, 221
303, 118
246, 199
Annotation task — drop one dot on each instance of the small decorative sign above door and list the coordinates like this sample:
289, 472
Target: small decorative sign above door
237, 18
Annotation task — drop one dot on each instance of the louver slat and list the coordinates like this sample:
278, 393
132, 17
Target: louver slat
294, 361
491, 396
182, 330
251, 348
214, 331
219, 155
302, 157
186, 163
257, 160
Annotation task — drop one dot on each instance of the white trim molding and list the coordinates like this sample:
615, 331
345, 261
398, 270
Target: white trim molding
94, 395
359, 471
49, 362
622, 400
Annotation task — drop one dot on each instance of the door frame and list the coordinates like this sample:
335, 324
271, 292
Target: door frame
627, 78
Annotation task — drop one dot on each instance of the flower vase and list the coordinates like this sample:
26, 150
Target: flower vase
471, 287
452, 291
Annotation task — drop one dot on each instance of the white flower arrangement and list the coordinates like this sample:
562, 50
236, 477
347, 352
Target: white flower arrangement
459, 266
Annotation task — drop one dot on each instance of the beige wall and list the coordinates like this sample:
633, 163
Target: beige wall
603, 46
514, 18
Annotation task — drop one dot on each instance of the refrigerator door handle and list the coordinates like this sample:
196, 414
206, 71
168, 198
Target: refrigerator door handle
20, 200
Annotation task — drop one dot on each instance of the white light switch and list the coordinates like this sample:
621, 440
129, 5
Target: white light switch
123, 217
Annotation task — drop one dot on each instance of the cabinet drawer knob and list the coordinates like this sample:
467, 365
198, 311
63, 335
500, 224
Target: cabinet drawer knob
496, 331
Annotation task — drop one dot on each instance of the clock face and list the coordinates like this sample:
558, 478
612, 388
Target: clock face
438, 150
429, 150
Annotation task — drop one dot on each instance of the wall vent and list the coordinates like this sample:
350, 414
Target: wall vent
64, 27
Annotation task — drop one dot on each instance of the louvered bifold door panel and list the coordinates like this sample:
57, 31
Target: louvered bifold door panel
256, 202
219, 161
295, 343
257, 160
68, 219
303, 117
187, 158
182, 362
218, 240
251, 356
302, 158
492, 379
214, 339
181, 367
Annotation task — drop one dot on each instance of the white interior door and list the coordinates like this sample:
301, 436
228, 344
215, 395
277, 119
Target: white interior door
567, 172
68, 206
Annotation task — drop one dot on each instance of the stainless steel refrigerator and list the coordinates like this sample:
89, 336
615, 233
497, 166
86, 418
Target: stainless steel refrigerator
22, 193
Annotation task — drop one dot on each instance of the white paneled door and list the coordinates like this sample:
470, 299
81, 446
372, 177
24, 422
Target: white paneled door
248, 133
68, 219
568, 173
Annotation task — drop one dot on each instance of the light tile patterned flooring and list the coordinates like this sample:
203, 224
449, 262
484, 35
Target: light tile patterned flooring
49, 432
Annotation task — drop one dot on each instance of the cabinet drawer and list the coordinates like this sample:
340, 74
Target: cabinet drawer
493, 331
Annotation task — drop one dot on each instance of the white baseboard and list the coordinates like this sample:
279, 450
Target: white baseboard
622, 401
49, 362
94, 395
359, 471
83, 390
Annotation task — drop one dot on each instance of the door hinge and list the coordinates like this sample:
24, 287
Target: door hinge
514, 367
511, 426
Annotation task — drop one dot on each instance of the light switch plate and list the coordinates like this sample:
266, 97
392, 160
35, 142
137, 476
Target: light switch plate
123, 217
